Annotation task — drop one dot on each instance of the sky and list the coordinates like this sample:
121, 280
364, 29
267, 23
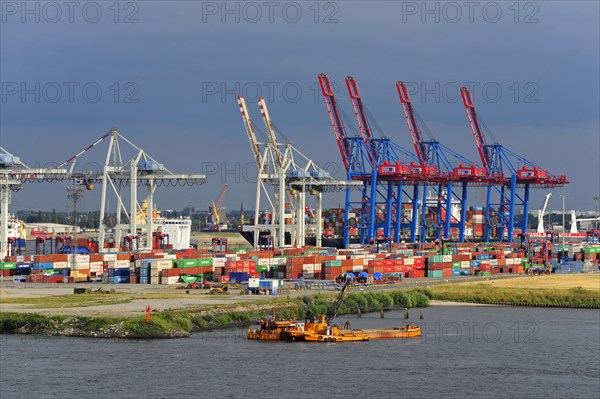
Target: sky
167, 73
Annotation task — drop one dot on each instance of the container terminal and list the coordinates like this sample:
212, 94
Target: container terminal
407, 214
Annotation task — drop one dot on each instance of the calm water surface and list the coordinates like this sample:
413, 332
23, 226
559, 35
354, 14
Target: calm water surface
464, 352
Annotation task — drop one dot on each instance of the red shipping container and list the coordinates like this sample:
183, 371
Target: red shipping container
447, 272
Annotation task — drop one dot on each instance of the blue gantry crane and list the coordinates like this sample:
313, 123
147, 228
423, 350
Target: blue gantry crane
382, 166
454, 170
506, 172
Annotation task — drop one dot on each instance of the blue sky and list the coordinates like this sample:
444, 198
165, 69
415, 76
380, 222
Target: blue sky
169, 72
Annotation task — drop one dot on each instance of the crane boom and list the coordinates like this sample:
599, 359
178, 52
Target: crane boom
214, 213
336, 120
477, 131
264, 111
413, 126
221, 196
335, 306
361, 116
250, 131
541, 213
215, 208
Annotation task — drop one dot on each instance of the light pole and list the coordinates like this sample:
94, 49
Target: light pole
74, 193
563, 195
597, 203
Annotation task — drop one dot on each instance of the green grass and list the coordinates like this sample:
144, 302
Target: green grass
179, 323
83, 300
483, 293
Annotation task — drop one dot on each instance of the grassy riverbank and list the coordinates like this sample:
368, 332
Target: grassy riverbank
490, 294
180, 323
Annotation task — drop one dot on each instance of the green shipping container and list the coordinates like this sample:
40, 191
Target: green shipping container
262, 269
205, 262
184, 263
456, 265
333, 263
434, 273
192, 279
8, 265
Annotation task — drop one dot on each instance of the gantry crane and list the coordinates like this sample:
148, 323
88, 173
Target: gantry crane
359, 165
393, 174
141, 170
453, 169
506, 171
13, 174
289, 172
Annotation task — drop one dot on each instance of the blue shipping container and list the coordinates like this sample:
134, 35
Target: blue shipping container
23, 271
121, 273
44, 265
120, 280
238, 277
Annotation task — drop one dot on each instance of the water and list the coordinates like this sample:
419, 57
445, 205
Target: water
464, 352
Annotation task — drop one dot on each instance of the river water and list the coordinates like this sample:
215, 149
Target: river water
464, 352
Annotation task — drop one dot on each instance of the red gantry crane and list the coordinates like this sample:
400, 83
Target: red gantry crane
505, 171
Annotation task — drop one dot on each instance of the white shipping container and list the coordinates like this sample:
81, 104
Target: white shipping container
155, 280
110, 257
253, 282
446, 258
170, 256
122, 264
308, 267
281, 261
409, 261
81, 265
169, 280
219, 262
340, 257
493, 262
60, 265
357, 269
82, 258
261, 261
160, 264
465, 264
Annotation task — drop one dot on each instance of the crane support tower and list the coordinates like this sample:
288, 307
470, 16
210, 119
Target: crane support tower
510, 178
13, 175
387, 206
119, 173
455, 173
285, 176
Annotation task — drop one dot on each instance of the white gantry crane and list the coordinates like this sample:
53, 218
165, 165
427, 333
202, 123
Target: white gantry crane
541, 212
141, 170
13, 174
288, 173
